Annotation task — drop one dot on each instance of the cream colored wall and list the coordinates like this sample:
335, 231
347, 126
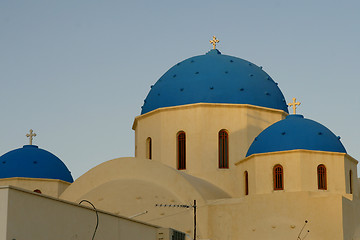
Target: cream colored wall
128, 186
37, 217
201, 122
351, 204
4, 212
277, 216
351, 164
51, 187
300, 171
351, 218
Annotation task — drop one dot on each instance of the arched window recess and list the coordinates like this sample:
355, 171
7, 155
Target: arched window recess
149, 148
350, 182
278, 174
223, 149
181, 150
246, 176
321, 177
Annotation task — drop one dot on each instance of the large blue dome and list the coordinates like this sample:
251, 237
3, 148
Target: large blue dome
214, 78
296, 132
33, 162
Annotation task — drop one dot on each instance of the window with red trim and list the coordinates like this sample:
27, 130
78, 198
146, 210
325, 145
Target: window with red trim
148, 148
223, 149
278, 177
181, 151
321, 174
350, 181
246, 176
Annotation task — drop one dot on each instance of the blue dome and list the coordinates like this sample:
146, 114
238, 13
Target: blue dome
214, 78
33, 162
296, 132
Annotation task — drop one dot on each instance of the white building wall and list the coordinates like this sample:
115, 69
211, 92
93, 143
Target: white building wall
34, 216
3, 212
202, 122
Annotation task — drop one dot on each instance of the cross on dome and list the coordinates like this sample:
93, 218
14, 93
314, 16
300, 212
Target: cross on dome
214, 41
31, 135
294, 105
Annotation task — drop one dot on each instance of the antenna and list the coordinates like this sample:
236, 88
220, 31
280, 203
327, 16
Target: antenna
139, 214
307, 232
183, 206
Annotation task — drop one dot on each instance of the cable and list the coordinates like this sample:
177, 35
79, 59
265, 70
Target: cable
97, 216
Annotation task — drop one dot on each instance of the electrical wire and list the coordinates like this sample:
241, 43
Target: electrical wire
97, 215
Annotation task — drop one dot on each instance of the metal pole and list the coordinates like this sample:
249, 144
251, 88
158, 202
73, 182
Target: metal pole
194, 219
182, 206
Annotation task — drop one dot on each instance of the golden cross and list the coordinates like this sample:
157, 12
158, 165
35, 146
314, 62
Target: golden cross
31, 135
214, 41
294, 104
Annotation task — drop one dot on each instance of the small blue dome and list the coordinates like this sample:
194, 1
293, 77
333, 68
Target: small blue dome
296, 132
214, 78
33, 162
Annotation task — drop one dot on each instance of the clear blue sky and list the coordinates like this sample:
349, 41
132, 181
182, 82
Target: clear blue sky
77, 72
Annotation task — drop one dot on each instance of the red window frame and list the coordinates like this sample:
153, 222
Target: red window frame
246, 176
223, 149
149, 148
181, 150
350, 182
278, 173
321, 176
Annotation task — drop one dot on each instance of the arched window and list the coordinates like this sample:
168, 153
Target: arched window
148, 148
321, 175
223, 149
181, 151
246, 176
278, 177
350, 181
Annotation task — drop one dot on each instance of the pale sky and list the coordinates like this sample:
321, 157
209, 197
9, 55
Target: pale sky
77, 72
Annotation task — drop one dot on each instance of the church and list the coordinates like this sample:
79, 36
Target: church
218, 155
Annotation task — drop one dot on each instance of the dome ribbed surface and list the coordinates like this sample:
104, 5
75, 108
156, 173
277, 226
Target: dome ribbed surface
296, 132
214, 78
33, 162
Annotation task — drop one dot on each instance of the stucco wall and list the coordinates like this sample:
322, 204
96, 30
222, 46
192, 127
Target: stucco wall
33, 216
51, 187
300, 171
4, 212
128, 186
202, 122
277, 216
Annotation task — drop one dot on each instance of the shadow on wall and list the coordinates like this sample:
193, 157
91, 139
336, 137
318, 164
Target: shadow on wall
252, 131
